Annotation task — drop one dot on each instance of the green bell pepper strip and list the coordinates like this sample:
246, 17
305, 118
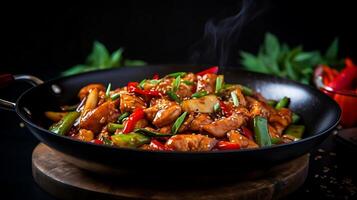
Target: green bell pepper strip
122, 117
271, 102
199, 94
112, 127
173, 96
149, 133
63, 126
261, 132
284, 102
296, 131
178, 123
295, 118
131, 140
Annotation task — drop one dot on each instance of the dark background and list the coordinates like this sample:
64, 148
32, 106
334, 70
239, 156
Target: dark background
44, 41
34, 40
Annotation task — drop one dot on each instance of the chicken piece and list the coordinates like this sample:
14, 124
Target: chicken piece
157, 104
191, 142
95, 119
165, 129
165, 85
199, 121
167, 116
85, 135
184, 90
142, 123
186, 124
235, 137
273, 132
207, 83
283, 117
202, 105
220, 127
128, 103
85, 90
190, 77
258, 108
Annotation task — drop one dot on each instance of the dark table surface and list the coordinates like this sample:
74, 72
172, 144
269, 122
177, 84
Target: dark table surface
332, 174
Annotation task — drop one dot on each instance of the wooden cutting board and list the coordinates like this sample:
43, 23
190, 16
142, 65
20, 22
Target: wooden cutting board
66, 181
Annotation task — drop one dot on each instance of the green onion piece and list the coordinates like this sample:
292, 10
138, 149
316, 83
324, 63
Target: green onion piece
153, 81
295, 130
295, 118
112, 127
261, 132
65, 124
216, 107
149, 133
219, 84
246, 90
107, 93
131, 140
235, 98
176, 84
107, 141
173, 96
271, 102
69, 108
122, 117
115, 96
276, 140
188, 82
284, 102
199, 94
176, 74
227, 85
142, 83
178, 123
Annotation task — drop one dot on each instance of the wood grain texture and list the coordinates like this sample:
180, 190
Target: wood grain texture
66, 181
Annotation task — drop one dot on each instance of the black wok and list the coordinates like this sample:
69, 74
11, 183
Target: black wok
320, 114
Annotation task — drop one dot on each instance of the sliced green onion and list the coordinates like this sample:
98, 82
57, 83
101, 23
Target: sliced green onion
219, 83
115, 96
227, 85
107, 141
199, 94
107, 93
149, 133
112, 127
176, 84
122, 117
173, 96
142, 83
284, 102
153, 81
295, 118
271, 102
188, 82
246, 90
217, 107
176, 74
178, 123
235, 98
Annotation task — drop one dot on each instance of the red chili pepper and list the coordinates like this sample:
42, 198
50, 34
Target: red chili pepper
96, 141
348, 105
346, 77
247, 133
224, 145
212, 70
133, 87
329, 74
155, 144
227, 110
156, 77
133, 118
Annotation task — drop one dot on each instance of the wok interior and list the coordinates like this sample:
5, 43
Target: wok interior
318, 112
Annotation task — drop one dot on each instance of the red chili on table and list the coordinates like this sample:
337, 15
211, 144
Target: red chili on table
133, 118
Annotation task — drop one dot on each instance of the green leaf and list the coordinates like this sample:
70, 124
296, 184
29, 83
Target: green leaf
332, 51
77, 69
271, 46
134, 63
252, 63
116, 58
99, 57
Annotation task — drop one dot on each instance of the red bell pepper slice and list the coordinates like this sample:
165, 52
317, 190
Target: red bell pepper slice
155, 144
227, 110
133, 118
212, 70
96, 141
156, 77
133, 87
224, 145
247, 133
346, 77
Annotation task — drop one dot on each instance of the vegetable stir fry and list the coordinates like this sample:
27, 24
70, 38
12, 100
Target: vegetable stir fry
181, 111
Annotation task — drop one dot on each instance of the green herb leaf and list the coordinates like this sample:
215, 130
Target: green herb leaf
332, 51
116, 58
99, 56
77, 69
178, 123
134, 63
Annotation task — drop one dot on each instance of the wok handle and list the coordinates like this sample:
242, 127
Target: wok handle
7, 79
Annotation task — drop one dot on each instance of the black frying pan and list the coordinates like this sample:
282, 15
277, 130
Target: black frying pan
320, 114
